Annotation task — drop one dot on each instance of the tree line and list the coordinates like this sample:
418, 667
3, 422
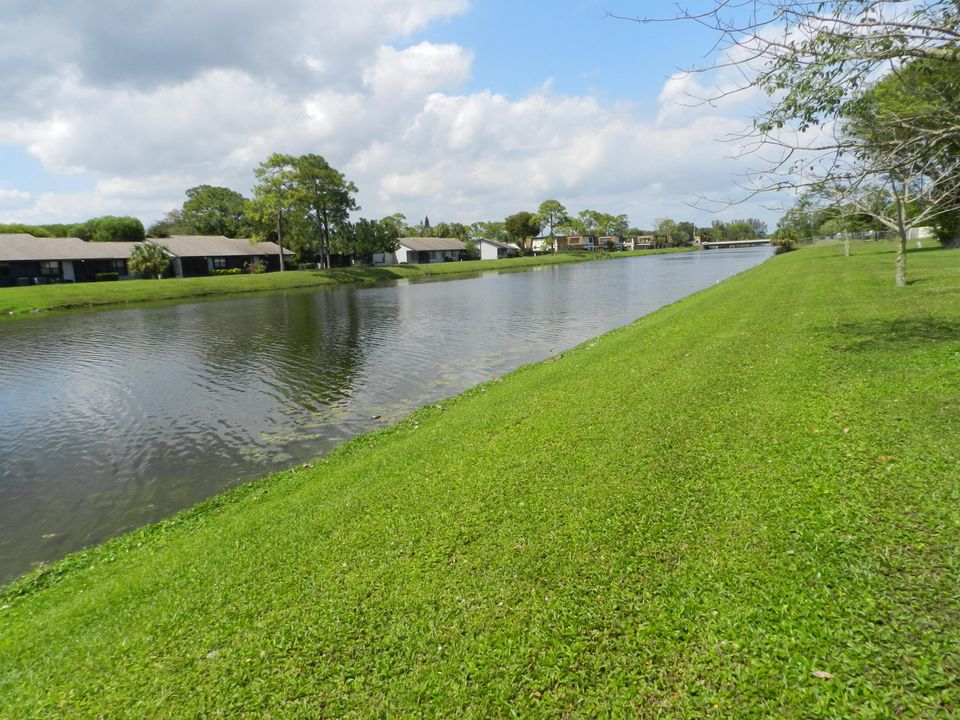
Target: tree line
305, 205
108, 228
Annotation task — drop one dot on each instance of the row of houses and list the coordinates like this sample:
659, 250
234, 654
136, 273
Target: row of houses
421, 250
559, 243
29, 260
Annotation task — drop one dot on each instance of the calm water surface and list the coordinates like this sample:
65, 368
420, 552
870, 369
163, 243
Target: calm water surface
110, 420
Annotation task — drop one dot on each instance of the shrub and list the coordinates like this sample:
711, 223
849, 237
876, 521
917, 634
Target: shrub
106, 276
227, 271
784, 244
149, 260
256, 267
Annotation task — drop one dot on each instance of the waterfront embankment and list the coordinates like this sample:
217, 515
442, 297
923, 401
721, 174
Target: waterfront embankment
742, 505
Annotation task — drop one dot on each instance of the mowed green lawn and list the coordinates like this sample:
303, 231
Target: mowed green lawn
19, 300
684, 518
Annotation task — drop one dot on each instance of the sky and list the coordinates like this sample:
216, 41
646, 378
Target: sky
460, 110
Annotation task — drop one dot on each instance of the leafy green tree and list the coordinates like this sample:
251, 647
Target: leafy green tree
552, 214
686, 232
327, 198
110, 228
489, 230
171, 224
365, 237
272, 209
212, 210
904, 145
665, 232
21, 229
149, 260
398, 221
758, 228
520, 226
452, 230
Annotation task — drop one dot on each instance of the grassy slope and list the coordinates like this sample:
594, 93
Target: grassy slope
682, 518
19, 300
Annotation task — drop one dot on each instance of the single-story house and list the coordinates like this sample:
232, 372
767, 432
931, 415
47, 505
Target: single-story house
195, 255
29, 260
496, 250
419, 250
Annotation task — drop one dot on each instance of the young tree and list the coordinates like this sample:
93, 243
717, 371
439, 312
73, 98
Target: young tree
149, 260
211, 210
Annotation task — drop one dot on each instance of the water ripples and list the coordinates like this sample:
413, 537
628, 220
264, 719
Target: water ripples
109, 420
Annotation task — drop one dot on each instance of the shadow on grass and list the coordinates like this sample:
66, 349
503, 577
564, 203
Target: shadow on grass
894, 334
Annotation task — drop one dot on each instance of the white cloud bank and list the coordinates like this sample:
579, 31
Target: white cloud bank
150, 112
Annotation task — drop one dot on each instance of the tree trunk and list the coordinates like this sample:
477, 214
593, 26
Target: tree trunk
280, 240
326, 240
901, 262
900, 278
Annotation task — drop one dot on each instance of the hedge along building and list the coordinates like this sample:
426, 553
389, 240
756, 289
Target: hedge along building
29, 260
194, 255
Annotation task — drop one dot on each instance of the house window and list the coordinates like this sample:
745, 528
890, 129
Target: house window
4, 270
219, 263
50, 268
119, 266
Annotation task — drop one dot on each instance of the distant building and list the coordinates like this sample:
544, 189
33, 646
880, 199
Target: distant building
422, 250
496, 250
581, 242
196, 255
547, 243
29, 260
638, 242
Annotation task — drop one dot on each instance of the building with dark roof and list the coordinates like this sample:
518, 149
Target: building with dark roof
421, 250
29, 260
195, 255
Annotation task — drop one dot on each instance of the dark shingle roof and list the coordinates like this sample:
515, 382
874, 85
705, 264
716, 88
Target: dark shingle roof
27, 248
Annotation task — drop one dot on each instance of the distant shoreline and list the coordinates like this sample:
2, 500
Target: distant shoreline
25, 301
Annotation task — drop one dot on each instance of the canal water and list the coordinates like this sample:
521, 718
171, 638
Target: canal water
111, 420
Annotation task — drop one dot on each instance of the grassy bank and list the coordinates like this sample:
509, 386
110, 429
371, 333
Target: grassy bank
684, 518
20, 300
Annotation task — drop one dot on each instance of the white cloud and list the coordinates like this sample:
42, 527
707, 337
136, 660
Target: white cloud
13, 199
332, 77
